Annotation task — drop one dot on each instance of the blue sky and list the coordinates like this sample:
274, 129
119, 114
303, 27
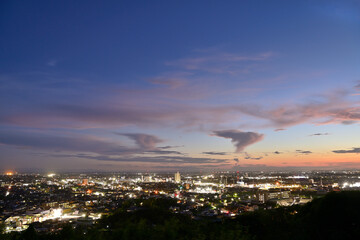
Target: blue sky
178, 85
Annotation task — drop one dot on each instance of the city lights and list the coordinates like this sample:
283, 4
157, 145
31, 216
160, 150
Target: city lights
9, 173
72, 197
179, 120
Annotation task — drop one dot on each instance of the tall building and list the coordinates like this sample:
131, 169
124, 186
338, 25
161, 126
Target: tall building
85, 181
177, 177
223, 180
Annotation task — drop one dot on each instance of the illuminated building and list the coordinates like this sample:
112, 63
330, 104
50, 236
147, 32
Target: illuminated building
148, 179
85, 181
177, 177
264, 196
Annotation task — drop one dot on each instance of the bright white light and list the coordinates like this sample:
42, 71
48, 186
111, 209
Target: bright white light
99, 193
51, 174
298, 177
357, 184
353, 185
57, 212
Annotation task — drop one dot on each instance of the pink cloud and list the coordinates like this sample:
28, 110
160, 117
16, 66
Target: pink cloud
330, 109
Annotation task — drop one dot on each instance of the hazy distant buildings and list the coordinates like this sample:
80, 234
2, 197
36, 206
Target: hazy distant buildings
223, 180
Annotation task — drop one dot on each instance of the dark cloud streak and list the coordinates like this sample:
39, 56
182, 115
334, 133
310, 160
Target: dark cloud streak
354, 150
303, 152
240, 139
319, 134
215, 153
249, 157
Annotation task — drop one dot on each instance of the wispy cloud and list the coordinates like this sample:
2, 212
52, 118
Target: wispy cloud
144, 141
329, 109
319, 134
215, 153
354, 150
149, 159
219, 62
357, 86
52, 63
249, 157
159, 151
84, 144
173, 106
172, 83
240, 139
84, 116
99, 149
36, 140
306, 152
279, 129
169, 147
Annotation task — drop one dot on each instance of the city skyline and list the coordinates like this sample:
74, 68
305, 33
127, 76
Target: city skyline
179, 86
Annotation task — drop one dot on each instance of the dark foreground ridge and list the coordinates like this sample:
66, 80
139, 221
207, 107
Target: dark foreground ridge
335, 216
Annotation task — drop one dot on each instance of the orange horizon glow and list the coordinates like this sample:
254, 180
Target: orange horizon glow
9, 173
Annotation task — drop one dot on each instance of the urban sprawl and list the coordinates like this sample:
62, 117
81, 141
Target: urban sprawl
48, 201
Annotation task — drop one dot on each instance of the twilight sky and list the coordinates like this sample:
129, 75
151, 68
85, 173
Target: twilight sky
179, 85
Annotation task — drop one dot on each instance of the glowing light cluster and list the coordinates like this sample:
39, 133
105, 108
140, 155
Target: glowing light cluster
351, 185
